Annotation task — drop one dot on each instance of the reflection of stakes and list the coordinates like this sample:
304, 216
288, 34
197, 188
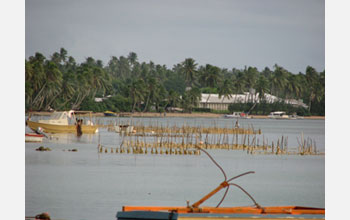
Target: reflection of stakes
225, 183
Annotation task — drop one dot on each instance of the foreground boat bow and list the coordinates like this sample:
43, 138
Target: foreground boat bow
194, 211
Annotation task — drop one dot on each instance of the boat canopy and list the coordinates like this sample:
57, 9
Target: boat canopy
59, 115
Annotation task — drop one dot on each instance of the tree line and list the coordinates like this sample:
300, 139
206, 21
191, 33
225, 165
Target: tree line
60, 83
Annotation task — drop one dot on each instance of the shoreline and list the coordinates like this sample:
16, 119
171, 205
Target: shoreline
171, 114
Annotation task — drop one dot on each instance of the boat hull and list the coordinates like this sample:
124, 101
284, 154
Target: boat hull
34, 137
51, 128
110, 114
244, 212
232, 116
145, 215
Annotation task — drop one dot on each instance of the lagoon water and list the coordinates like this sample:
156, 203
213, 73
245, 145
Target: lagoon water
91, 185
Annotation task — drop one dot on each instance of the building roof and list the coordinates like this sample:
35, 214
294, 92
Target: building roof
246, 97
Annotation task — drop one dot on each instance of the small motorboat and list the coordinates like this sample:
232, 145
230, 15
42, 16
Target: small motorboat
109, 113
238, 115
278, 115
33, 137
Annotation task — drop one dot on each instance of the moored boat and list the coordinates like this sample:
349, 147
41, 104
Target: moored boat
109, 113
237, 115
64, 122
278, 115
33, 137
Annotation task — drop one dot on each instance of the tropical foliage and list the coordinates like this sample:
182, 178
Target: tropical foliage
127, 85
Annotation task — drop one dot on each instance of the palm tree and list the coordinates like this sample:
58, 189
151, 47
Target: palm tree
136, 91
132, 57
240, 82
56, 58
97, 77
173, 98
99, 81
267, 72
278, 79
124, 68
113, 67
51, 87
189, 71
68, 88
251, 75
151, 85
63, 55
312, 83
54, 83
191, 99
38, 76
159, 97
294, 86
225, 89
29, 90
262, 87
81, 86
210, 77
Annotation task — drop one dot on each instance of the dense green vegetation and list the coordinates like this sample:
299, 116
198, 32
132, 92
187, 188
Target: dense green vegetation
60, 83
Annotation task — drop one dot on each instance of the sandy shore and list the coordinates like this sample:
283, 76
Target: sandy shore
185, 115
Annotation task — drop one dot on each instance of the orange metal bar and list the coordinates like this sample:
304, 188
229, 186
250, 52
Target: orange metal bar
221, 186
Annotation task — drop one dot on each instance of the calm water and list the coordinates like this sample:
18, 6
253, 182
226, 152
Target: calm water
88, 185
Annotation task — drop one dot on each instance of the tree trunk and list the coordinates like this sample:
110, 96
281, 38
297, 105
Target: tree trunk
148, 97
133, 107
37, 96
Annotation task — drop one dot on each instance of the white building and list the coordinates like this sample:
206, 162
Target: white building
212, 101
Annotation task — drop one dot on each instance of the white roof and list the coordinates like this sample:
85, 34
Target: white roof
236, 98
246, 97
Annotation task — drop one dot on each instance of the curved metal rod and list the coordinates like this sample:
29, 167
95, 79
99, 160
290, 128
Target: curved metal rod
223, 172
240, 175
228, 187
256, 204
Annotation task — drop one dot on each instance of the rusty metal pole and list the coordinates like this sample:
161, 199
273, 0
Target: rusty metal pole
221, 186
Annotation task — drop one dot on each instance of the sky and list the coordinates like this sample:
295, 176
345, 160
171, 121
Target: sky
228, 34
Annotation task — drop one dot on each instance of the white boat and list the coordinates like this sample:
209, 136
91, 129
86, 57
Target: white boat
278, 115
237, 115
124, 128
33, 137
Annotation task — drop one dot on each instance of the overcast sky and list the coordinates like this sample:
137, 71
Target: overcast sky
229, 34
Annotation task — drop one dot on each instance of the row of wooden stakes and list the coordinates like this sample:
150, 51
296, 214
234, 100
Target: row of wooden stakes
153, 150
145, 130
252, 146
195, 130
